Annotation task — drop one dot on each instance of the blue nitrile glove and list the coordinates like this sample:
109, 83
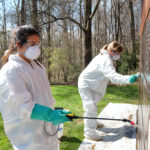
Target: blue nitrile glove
133, 78
44, 113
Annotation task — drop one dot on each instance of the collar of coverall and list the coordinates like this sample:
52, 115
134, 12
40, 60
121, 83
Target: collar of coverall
103, 52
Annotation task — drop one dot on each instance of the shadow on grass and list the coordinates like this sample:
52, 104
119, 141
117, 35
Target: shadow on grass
70, 139
118, 133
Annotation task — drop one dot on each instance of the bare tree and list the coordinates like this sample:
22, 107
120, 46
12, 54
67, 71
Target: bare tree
71, 32
86, 28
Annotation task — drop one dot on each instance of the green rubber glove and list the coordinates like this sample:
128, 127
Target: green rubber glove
133, 78
44, 113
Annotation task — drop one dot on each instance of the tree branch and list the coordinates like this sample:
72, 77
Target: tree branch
123, 3
63, 18
96, 6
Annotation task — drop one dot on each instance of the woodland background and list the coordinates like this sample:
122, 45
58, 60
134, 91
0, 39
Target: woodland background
73, 31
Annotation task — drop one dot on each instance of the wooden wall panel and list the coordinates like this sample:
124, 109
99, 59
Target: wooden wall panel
143, 135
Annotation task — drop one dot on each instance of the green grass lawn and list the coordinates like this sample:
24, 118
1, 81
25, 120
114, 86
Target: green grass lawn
68, 98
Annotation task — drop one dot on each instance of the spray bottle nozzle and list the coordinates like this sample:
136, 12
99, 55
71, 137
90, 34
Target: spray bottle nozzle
132, 122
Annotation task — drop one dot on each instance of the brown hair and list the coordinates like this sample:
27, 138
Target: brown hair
105, 47
115, 46
11, 48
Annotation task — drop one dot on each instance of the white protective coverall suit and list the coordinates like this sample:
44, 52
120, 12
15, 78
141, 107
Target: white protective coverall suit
21, 86
92, 85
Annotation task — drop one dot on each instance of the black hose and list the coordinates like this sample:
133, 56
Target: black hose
71, 116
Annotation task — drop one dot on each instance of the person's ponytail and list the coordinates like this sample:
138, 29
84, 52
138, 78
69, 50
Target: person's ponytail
105, 47
12, 47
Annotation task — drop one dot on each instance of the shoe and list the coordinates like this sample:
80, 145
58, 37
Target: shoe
94, 136
100, 125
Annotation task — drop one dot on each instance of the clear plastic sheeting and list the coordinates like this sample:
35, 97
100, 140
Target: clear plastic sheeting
116, 135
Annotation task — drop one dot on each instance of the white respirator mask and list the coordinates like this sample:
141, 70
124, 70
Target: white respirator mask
116, 57
32, 52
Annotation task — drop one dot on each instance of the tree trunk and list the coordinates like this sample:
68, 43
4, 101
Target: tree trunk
98, 28
116, 31
23, 16
17, 12
35, 23
73, 43
132, 26
66, 45
132, 21
119, 23
95, 37
4, 27
81, 49
105, 17
35, 15
112, 27
88, 33
49, 40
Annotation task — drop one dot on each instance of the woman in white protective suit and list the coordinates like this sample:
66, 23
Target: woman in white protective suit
93, 81
26, 101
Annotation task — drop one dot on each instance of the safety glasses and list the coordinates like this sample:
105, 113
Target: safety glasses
32, 43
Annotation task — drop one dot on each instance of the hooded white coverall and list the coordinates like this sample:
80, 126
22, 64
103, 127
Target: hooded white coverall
21, 86
92, 85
